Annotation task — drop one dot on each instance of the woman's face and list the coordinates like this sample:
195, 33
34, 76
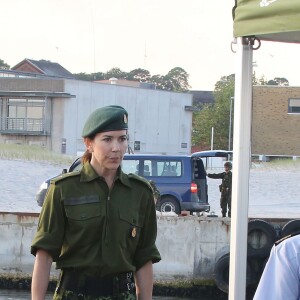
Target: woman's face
108, 149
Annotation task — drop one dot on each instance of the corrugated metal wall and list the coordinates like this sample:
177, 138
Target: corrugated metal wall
157, 119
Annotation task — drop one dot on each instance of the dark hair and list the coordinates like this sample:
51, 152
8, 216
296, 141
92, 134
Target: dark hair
86, 157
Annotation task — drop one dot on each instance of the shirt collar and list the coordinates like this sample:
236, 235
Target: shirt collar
89, 174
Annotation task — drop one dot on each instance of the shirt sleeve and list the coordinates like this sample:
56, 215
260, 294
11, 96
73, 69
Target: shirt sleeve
49, 235
216, 175
146, 249
280, 279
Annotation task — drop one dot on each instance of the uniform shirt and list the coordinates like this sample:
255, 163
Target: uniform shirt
84, 225
281, 277
226, 178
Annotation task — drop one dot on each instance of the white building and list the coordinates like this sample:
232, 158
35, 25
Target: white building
51, 112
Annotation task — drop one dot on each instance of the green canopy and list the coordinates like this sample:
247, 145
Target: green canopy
270, 20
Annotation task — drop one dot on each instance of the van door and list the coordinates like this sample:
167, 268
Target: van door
199, 175
201, 163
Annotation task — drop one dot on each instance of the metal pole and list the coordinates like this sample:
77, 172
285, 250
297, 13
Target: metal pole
230, 122
212, 139
240, 171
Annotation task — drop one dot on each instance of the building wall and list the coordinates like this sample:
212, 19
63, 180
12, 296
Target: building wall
31, 84
27, 67
156, 118
274, 130
189, 246
185, 256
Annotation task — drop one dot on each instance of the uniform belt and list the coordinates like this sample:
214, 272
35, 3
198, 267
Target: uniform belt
95, 286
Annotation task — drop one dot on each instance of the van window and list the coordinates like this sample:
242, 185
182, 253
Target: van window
170, 168
153, 167
130, 166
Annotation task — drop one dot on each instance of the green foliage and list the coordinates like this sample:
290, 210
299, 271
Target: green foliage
278, 81
218, 114
89, 77
115, 73
140, 75
34, 153
175, 80
4, 65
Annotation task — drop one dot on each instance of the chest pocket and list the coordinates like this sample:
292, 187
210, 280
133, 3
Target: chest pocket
131, 226
82, 208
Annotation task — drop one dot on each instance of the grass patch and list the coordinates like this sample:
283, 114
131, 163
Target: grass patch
33, 153
283, 163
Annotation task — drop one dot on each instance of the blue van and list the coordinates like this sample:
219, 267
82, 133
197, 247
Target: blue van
173, 176
180, 179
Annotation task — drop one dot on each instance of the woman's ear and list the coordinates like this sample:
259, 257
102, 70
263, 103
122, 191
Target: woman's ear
88, 143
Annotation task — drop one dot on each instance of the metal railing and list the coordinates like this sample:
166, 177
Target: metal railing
24, 125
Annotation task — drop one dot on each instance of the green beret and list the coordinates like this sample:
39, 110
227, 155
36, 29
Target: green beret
106, 118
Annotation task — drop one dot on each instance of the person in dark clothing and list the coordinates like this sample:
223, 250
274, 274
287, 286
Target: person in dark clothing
225, 188
200, 179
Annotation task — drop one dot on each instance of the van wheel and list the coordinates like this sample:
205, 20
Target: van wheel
169, 204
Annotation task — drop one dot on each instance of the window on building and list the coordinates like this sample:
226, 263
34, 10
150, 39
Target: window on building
25, 114
294, 106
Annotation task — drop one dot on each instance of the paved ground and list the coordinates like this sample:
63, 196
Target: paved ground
272, 192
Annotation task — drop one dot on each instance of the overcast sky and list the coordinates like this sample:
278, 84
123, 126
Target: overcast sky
157, 35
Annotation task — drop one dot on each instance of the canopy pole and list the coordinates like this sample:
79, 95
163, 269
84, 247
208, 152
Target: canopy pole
241, 170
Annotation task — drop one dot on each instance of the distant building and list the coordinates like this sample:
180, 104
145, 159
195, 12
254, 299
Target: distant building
48, 110
125, 82
276, 121
43, 67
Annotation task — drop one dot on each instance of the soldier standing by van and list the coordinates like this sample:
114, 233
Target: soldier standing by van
225, 188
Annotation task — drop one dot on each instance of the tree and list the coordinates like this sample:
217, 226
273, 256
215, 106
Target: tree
140, 75
4, 65
175, 80
178, 80
278, 81
217, 116
159, 81
115, 73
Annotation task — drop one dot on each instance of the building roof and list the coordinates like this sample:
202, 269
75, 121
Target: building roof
42, 66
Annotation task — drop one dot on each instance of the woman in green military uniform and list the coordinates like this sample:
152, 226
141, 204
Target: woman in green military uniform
98, 224
225, 188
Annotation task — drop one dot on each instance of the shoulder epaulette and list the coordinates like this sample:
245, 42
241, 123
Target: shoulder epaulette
64, 176
139, 178
286, 237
